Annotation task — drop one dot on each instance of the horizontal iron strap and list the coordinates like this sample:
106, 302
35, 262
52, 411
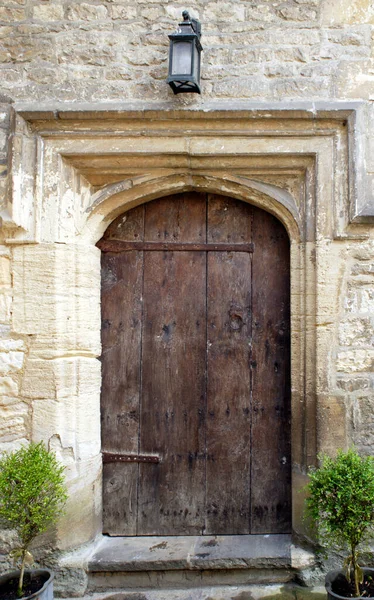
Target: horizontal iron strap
110, 457
120, 246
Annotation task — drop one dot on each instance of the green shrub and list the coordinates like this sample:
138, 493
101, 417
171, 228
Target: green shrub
32, 496
341, 504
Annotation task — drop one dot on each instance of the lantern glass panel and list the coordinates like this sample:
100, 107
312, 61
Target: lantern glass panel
182, 58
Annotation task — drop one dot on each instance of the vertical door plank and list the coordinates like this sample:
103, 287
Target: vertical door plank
179, 218
172, 493
271, 459
128, 227
121, 340
228, 384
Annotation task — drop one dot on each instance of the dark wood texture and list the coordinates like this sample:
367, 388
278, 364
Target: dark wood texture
270, 366
119, 246
196, 369
228, 385
121, 339
172, 494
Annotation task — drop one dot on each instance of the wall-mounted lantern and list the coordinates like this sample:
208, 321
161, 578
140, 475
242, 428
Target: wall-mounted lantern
184, 57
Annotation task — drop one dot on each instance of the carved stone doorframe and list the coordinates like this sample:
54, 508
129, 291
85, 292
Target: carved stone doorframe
74, 171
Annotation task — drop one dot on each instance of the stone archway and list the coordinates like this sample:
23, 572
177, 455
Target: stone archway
87, 169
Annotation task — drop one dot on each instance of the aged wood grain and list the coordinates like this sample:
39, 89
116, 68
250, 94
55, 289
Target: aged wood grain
121, 339
228, 386
271, 455
215, 410
172, 494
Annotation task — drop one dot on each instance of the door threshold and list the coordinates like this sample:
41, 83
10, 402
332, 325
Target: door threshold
124, 554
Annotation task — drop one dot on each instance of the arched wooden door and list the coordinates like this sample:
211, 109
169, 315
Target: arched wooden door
196, 369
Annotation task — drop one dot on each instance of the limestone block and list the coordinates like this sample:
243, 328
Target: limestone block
13, 422
6, 345
56, 295
340, 12
261, 12
15, 444
48, 12
244, 56
152, 13
297, 13
123, 13
330, 412
44, 75
291, 54
355, 80
356, 331
364, 422
301, 88
3, 140
86, 12
175, 12
28, 49
75, 420
118, 74
8, 388
354, 361
82, 519
60, 378
86, 55
360, 299
145, 56
12, 14
249, 87
354, 384
224, 11
364, 251
11, 362
5, 275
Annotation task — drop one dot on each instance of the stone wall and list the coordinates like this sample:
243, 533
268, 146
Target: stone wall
54, 53
103, 50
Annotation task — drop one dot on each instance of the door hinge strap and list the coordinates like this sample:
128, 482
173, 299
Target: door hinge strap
122, 246
110, 457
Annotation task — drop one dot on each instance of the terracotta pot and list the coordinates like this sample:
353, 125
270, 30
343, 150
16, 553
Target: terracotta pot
330, 578
45, 593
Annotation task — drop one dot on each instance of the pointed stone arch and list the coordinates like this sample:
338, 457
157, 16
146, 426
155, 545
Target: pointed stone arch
114, 199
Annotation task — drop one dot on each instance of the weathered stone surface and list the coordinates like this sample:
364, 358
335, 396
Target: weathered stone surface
86, 12
330, 412
232, 592
10, 362
53, 12
82, 518
356, 331
211, 552
50, 303
12, 14
336, 12
353, 361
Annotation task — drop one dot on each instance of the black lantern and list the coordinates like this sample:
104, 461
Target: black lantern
184, 58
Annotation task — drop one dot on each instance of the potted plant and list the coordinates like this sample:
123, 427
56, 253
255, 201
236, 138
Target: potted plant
32, 497
341, 504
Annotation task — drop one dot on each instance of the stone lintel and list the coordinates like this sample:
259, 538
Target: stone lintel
339, 111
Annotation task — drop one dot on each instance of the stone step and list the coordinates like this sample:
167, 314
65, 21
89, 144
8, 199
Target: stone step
187, 562
233, 592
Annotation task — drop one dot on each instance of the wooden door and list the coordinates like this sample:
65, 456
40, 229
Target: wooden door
195, 366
